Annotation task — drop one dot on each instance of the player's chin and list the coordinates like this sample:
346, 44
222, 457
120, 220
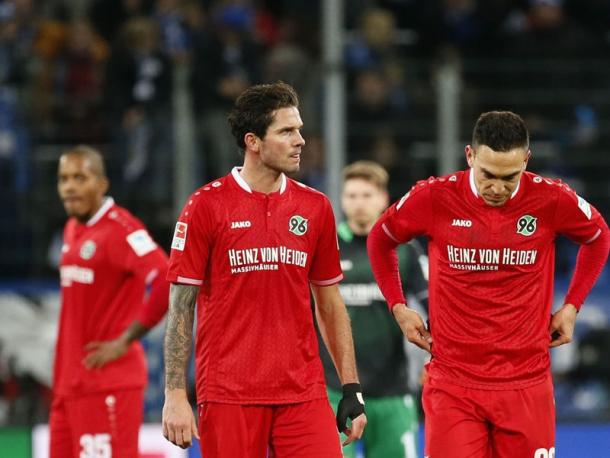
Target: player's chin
495, 202
71, 209
292, 168
75, 210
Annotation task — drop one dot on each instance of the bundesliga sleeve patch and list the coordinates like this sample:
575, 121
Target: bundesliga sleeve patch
141, 242
179, 236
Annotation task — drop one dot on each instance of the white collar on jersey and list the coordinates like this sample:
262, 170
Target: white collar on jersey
246, 187
108, 202
474, 188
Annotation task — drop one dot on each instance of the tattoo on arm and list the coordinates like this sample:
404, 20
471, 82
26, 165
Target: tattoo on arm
179, 334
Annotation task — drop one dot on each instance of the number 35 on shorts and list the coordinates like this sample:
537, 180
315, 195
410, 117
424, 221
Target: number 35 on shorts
98, 446
544, 453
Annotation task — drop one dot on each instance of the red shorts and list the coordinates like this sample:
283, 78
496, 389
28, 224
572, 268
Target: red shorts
302, 430
103, 424
473, 423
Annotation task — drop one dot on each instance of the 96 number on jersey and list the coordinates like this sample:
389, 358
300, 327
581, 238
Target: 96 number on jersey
95, 446
544, 453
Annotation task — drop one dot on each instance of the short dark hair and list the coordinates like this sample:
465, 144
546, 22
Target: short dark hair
501, 131
96, 160
368, 171
255, 107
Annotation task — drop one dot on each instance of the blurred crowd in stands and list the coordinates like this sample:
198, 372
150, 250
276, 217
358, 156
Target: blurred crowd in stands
103, 72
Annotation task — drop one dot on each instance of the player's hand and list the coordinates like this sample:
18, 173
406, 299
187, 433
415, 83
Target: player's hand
562, 325
351, 406
179, 425
101, 353
412, 326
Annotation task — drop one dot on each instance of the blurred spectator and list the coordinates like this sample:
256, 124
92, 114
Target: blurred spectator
373, 109
546, 31
18, 29
374, 44
138, 88
288, 61
108, 16
553, 53
592, 14
79, 83
465, 28
226, 61
375, 48
175, 40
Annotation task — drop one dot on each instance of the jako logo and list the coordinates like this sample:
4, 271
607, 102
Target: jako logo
462, 223
240, 224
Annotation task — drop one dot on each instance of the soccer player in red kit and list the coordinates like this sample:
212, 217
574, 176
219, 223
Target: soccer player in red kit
108, 261
247, 249
491, 232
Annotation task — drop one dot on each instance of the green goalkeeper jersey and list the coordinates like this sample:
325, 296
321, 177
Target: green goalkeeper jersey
379, 343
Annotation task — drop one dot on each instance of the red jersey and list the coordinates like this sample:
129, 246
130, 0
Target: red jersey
105, 266
254, 256
491, 273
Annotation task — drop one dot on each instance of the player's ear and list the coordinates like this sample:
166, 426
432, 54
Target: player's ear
527, 158
252, 142
469, 150
104, 185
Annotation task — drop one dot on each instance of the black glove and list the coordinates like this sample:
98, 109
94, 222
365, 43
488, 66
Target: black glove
351, 405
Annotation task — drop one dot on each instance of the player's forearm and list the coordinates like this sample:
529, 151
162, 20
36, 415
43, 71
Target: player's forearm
135, 331
336, 332
589, 264
154, 308
179, 334
384, 263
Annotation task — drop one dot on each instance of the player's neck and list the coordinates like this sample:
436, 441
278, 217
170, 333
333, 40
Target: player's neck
85, 218
261, 178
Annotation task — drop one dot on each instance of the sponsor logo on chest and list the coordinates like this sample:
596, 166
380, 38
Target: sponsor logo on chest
264, 258
488, 258
76, 274
461, 222
240, 224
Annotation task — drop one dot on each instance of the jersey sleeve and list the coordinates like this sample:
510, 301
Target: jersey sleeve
191, 243
411, 216
139, 255
137, 252
325, 267
576, 218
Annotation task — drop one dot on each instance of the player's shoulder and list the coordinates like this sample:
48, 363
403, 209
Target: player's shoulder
545, 185
449, 182
209, 195
129, 228
123, 221
302, 191
210, 192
